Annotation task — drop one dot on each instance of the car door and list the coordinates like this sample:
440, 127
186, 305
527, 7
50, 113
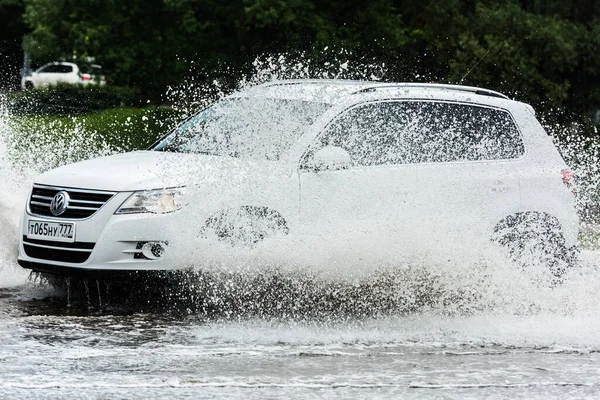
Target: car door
43, 75
64, 74
468, 170
372, 197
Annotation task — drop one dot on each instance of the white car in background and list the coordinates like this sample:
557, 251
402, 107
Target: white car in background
327, 157
64, 72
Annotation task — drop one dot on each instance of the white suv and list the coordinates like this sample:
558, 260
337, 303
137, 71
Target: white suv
313, 157
64, 72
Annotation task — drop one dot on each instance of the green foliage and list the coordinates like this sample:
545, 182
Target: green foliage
65, 99
589, 240
122, 129
536, 60
545, 53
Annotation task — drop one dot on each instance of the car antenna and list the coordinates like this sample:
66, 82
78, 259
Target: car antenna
473, 67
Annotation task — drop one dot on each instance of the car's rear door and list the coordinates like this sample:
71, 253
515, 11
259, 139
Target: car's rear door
65, 73
468, 169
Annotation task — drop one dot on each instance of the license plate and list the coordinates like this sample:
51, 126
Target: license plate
59, 231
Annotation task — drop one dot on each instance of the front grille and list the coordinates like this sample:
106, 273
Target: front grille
77, 252
83, 202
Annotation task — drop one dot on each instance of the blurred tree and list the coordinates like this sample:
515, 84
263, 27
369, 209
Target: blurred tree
543, 52
531, 56
11, 36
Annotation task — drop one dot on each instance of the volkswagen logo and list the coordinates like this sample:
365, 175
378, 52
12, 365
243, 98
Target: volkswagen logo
59, 203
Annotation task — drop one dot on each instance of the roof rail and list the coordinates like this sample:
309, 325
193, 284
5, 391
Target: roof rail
339, 82
472, 89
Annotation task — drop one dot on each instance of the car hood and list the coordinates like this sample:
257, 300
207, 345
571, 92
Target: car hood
142, 170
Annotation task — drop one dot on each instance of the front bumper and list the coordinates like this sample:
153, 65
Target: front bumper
112, 242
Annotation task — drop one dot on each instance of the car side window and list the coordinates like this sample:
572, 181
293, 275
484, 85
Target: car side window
47, 68
64, 69
408, 132
57, 68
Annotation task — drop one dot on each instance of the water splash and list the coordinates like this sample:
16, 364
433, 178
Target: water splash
29, 146
194, 95
294, 275
448, 279
581, 154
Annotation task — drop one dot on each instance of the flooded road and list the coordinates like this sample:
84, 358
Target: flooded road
49, 350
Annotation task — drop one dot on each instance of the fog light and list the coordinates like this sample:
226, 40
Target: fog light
153, 250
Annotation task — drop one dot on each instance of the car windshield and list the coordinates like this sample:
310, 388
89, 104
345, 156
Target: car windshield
244, 127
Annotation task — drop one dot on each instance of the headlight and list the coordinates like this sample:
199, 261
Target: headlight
159, 201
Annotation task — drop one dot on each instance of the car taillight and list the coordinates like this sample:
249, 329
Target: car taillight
85, 77
568, 179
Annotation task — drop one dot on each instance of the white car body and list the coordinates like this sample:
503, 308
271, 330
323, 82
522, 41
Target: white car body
62, 72
388, 200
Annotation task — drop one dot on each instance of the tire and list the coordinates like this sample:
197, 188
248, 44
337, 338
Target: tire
536, 238
245, 226
29, 85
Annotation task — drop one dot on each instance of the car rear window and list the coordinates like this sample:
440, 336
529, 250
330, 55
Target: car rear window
92, 69
406, 132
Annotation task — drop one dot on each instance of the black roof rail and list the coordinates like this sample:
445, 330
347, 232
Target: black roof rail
471, 89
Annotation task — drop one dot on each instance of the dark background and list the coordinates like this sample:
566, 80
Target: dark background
546, 53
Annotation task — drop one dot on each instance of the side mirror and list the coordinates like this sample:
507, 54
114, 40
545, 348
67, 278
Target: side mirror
330, 158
